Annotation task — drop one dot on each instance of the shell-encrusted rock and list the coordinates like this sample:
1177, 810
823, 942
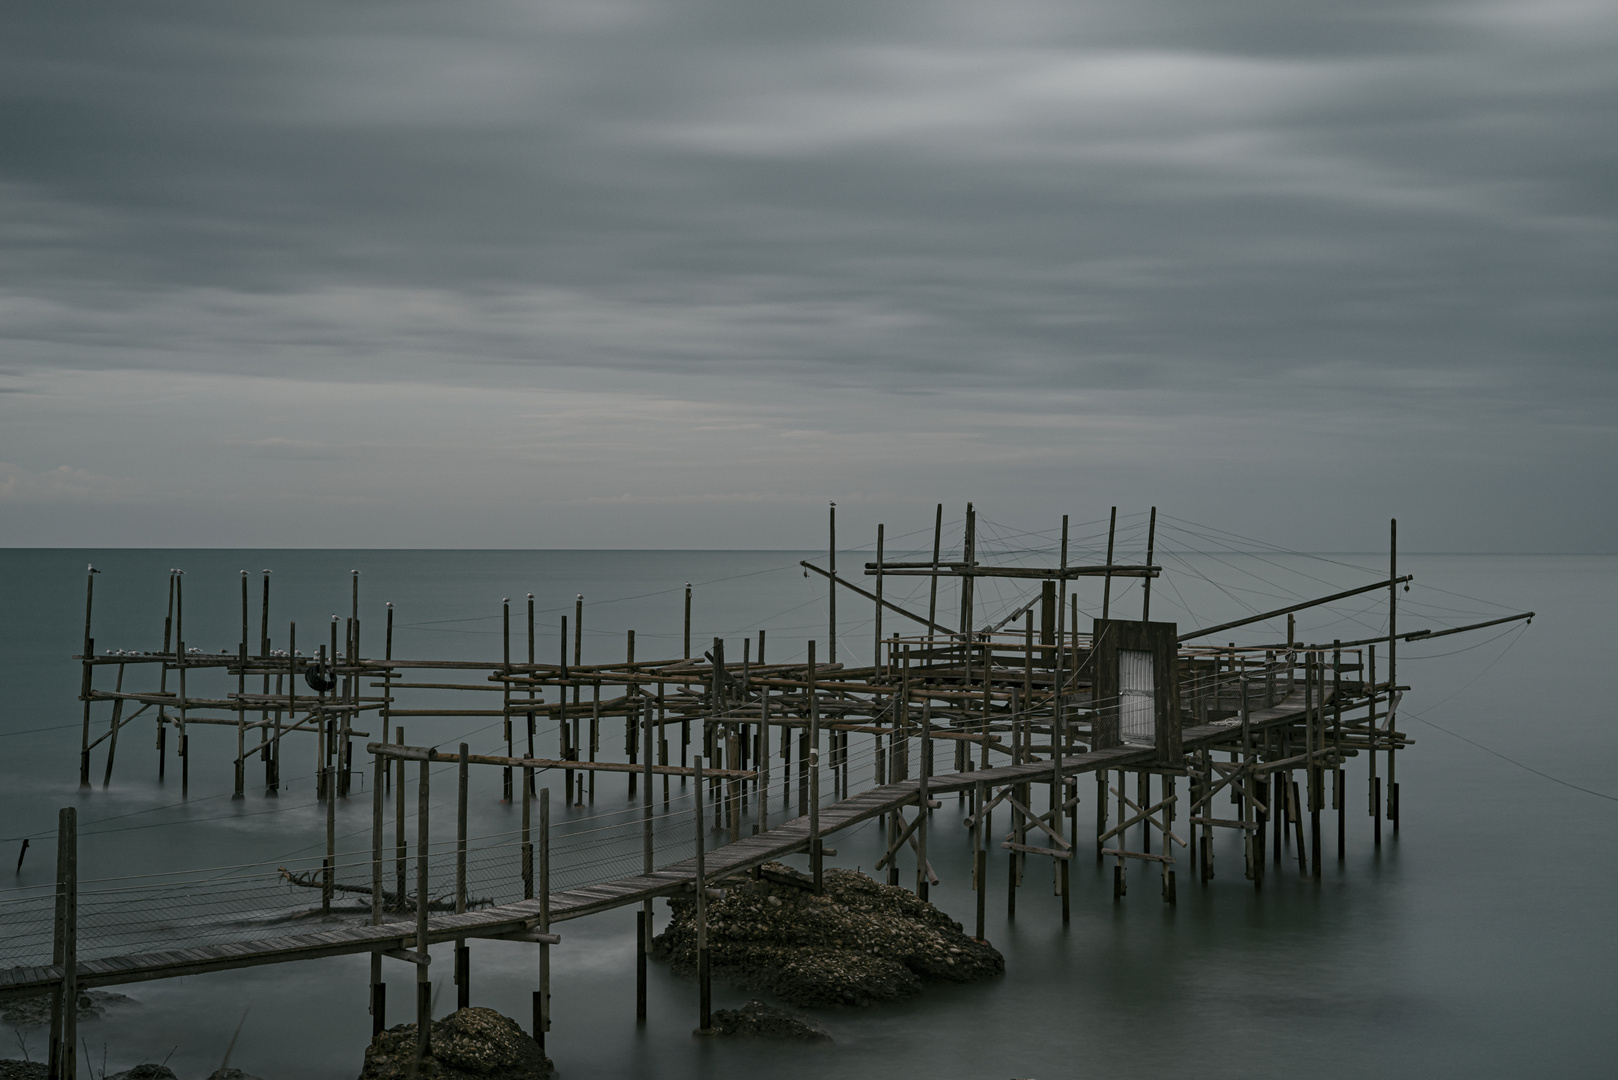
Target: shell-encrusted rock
860, 942
472, 1044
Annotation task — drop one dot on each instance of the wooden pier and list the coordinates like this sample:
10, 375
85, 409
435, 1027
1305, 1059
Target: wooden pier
1043, 718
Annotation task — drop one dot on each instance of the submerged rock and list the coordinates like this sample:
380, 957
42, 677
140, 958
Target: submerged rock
146, 1071
35, 1009
767, 1022
859, 943
472, 1044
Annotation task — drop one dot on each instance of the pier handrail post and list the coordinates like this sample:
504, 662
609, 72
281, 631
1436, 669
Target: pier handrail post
814, 773
704, 982
424, 984
542, 996
65, 954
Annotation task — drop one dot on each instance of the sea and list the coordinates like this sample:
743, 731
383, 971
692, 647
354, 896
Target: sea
1475, 941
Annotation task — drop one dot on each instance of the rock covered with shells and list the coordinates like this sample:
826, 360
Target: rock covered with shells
471, 1043
860, 942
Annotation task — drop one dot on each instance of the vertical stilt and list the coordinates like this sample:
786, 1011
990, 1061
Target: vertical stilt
424, 984
65, 954
704, 983
542, 996
463, 956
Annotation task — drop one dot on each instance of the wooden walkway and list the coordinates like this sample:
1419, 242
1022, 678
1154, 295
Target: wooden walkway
523, 916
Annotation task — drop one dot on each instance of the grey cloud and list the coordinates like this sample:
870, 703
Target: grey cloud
1391, 216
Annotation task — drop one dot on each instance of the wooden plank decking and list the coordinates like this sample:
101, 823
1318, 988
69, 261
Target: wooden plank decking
503, 919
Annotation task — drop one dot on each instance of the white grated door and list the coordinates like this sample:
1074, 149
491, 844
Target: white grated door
1137, 713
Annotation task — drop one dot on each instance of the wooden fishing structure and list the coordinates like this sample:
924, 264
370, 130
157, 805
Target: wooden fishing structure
731, 762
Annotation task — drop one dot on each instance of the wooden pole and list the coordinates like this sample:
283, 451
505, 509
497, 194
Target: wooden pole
241, 690
179, 649
1058, 726
463, 958
542, 996
528, 774
400, 854
763, 766
387, 695
163, 681
1106, 582
1369, 679
643, 924
831, 588
1393, 664
937, 551
87, 677
112, 739
505, 642
379, 989
813, 761
65, 954
424, 984
876, 632
267, 750
969, 556
1146, 582
704, 983
923, 798
980, 855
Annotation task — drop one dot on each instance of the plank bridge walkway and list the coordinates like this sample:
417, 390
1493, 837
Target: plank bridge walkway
523, 916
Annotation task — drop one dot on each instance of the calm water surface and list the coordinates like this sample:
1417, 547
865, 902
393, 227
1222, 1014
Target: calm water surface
1474, 943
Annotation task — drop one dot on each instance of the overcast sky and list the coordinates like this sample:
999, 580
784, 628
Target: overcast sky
615, 273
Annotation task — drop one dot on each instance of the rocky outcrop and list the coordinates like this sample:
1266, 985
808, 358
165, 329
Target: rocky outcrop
35, 1009
472, 1044
759, 1020
858, 943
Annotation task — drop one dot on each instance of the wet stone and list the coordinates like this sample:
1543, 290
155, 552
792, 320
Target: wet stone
147, 1070
859, 943
764, 1021
472, 1044
35, 1009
